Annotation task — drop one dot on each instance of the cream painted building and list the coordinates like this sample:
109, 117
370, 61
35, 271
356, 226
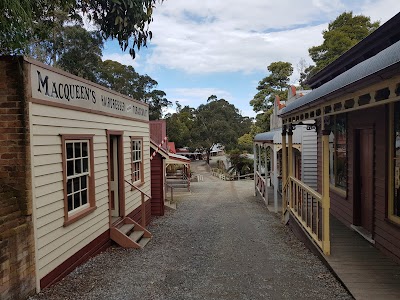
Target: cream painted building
88, 149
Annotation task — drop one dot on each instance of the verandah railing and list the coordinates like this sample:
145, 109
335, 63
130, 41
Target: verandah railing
308, 207
261, 186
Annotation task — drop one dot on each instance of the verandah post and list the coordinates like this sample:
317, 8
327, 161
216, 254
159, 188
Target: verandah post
326, 244
290, 160
265, 174
284, 168
255, 169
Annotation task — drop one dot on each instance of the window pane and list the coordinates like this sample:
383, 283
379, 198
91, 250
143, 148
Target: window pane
76, 184
83, 182
70, 168
69, 186
396, 200
77, 200
85, 165
77, 147
78, 166
70, 203
332, 158
84, 197
84, 149
70, 151
341, 152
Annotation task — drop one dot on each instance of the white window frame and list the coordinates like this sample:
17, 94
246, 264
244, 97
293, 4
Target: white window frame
78, 172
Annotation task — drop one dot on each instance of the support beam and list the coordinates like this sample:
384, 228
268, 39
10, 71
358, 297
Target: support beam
290, 157
266, 171
275, 179
255, 168
326, 246
284, 168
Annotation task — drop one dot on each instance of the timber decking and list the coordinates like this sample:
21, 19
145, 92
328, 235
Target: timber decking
364, 270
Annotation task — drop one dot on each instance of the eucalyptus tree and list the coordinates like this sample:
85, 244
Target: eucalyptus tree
22, 22
218, 122
274, 84
342, 34
125, 80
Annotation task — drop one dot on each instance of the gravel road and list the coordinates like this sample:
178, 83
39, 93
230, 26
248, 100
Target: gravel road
221, 243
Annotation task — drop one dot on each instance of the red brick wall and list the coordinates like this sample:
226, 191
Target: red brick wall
17, 263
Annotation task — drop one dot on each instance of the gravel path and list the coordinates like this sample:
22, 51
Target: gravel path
221, 243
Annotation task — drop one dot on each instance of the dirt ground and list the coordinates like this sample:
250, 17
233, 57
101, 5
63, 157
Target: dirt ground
220, 243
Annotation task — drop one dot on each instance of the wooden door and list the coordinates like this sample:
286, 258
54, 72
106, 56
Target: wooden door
366, 197
114, 175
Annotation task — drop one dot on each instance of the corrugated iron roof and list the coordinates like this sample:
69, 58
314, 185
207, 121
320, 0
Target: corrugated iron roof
275, 136
381, 61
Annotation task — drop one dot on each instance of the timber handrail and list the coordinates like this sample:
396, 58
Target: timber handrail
143, 206
305, 187
138, 189
308, 208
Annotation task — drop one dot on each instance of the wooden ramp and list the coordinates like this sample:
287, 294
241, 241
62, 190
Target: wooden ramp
366, 272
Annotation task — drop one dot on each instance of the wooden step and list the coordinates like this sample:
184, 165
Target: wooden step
125, 237
143, 242
126, 228
136, 235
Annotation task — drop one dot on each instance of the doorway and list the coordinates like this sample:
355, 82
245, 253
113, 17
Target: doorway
364, 197
115, 175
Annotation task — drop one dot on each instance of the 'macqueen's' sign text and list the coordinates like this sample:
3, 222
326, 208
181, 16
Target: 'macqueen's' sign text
57, 88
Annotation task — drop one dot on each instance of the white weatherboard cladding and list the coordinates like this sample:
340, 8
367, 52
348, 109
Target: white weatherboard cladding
309, 158
56, 243
67, 90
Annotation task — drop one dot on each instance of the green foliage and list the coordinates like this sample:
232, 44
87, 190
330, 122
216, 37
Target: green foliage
245, 142
79, 52
125, 80
26, 21
180, 125
240, 163
125, 20
15, 25
272, 85
342, 34
217, 122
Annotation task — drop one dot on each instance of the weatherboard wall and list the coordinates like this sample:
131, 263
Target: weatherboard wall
53, 115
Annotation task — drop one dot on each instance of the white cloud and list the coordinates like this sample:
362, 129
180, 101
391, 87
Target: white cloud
194, 97
209, 36
200, 93
380, 10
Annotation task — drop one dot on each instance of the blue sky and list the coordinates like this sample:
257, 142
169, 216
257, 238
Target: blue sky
200, 48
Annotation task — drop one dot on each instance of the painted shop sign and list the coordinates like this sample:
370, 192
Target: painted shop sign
58, 88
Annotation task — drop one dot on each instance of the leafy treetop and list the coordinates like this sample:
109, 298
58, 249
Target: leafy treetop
125, 20
342, 34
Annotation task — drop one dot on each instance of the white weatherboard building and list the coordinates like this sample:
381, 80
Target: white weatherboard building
89, 171
268, 153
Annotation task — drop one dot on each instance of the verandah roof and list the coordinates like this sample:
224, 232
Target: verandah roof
275, 136
389, 57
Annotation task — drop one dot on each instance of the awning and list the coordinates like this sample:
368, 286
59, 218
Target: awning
177, 159
275, 136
